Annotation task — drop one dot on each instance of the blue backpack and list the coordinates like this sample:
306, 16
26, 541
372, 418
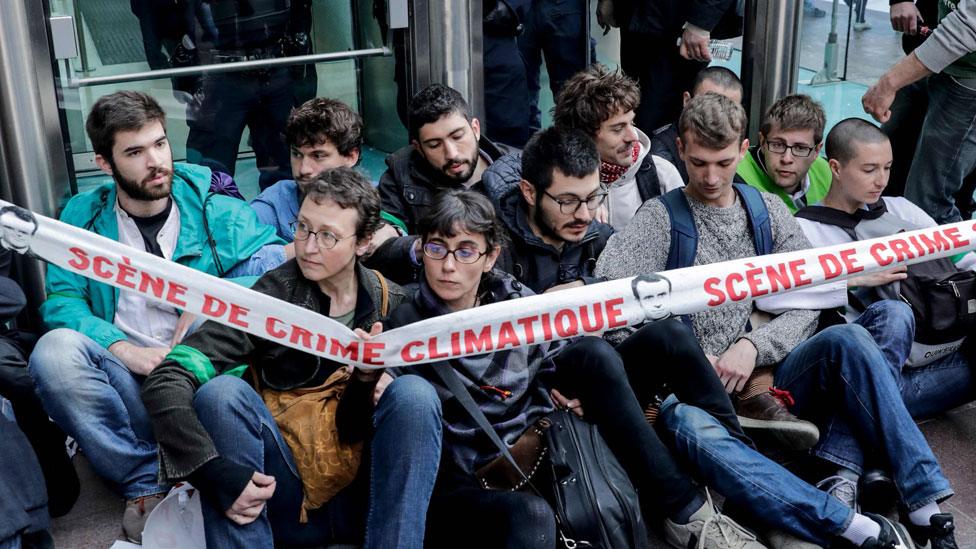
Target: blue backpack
684, 234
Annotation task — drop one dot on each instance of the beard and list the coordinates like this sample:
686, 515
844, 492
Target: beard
139, 190
464, 176
548, 226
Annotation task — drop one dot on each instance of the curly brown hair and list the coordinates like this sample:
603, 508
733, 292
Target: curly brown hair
715, 120
321, 119
593, 95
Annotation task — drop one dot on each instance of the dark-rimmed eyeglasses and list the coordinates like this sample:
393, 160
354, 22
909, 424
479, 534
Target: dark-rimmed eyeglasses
440, 252
325, 240
778, 147
572, 205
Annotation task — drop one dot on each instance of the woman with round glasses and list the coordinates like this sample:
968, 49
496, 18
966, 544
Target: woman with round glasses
228, 444
462, 239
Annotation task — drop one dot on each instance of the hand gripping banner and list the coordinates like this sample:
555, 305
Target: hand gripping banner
586, 310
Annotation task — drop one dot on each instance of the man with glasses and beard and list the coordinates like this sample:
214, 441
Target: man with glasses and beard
550, 214
446, 151
89, 369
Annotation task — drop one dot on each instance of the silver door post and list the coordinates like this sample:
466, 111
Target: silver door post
33, 163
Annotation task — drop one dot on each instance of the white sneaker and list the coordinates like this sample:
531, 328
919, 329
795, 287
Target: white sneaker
862, 26
709, 529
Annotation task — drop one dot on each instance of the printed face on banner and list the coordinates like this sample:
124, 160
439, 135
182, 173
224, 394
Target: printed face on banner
654, 293
710, 171
450, 145
615, 139
557, 221
17, 226
309, 161
317, 262
861, 180
454, 282
788, 169
141, 163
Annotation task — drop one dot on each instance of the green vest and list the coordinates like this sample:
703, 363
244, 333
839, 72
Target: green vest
819, 174
965, 66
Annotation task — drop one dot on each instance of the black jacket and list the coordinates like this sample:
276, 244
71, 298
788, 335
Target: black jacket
533, 262
663, 19
664, 143
409, 184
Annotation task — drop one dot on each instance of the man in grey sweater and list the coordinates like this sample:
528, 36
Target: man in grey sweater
946, 150
839, 376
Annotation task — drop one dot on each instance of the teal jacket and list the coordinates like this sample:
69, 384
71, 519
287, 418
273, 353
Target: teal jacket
87, 306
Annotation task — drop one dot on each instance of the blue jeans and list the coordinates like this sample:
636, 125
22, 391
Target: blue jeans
927, 390
94, 398
841, 381
405, 455
749, 479
946, 150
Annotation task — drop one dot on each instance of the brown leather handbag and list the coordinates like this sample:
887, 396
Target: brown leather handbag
306, 419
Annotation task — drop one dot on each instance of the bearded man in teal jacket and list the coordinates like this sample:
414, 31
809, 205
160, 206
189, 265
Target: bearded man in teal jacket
104, 341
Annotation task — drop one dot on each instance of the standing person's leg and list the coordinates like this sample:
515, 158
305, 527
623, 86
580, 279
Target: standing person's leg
484, 519
92, 396
243, 431
663, 75
946, 151
565, 41
667, 352
506, 93
903, 128
530, 48
406, 451
840, 375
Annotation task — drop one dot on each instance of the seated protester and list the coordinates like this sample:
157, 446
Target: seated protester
787, 161
446, 151
215, 431
711, 144
860, 158
549, 215
715, 79
88, 370
23, 509
321, 134
601, 104
838, 377
462, 241
46, 438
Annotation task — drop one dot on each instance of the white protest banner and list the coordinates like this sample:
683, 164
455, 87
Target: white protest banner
586, 310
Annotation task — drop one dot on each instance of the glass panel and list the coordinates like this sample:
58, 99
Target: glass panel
230, 121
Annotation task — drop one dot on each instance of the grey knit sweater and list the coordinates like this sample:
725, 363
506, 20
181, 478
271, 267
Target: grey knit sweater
724, 234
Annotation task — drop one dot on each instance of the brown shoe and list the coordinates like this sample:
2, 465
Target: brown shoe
767, 412
136, 512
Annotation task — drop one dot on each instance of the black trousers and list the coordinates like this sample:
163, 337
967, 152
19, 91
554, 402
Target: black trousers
614, 386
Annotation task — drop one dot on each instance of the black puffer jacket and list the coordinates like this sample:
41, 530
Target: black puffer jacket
533, 262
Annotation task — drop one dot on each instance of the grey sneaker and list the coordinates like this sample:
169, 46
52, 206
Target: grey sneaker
136, 512
842, 488
709, 529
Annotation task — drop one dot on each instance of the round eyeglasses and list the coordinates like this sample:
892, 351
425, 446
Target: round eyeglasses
440, 252
325, 240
